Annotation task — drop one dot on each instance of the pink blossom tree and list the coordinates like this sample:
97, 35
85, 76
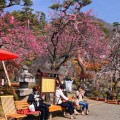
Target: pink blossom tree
71, 30
18, 39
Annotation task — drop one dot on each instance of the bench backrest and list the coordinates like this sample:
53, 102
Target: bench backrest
21, 105
8, 105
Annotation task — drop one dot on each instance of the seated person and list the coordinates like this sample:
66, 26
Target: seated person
79, 95
63, 101
37, 101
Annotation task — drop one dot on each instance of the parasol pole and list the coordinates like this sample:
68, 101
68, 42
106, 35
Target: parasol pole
6, 73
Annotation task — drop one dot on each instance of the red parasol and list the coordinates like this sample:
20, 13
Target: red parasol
5, 55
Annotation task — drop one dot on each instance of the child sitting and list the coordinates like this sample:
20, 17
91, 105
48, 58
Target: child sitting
79, 95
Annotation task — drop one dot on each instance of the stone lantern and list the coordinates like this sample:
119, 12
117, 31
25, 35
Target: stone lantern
24, 79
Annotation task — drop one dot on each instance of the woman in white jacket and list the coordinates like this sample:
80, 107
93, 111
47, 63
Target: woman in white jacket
63, 101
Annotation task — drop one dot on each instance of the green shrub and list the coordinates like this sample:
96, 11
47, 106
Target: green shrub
96, 93
118, 96
77, 82
28, 63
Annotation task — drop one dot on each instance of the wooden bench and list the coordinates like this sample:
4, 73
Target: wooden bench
22, 108
9, 109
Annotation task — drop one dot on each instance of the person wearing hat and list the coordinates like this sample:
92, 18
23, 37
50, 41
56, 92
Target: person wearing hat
36, 100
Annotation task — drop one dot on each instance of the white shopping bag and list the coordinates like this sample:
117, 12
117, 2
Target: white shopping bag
32, 108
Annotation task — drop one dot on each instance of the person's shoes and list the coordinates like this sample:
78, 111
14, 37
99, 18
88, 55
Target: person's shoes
82, 113
87, 112
74, 116
76, 112
71, 117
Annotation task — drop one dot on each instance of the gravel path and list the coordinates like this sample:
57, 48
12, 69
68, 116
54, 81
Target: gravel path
98, 111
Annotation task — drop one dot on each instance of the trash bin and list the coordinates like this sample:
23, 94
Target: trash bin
68, 85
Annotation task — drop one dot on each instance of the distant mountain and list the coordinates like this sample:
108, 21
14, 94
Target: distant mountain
107, 27
106, 24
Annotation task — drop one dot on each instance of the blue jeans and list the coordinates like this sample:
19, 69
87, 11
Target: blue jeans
84, 105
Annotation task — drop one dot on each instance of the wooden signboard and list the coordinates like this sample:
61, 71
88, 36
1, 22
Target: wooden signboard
48, 85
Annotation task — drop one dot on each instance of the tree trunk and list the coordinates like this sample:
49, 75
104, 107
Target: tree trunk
81, 64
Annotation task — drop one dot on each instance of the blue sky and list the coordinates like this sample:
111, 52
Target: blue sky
107, 10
